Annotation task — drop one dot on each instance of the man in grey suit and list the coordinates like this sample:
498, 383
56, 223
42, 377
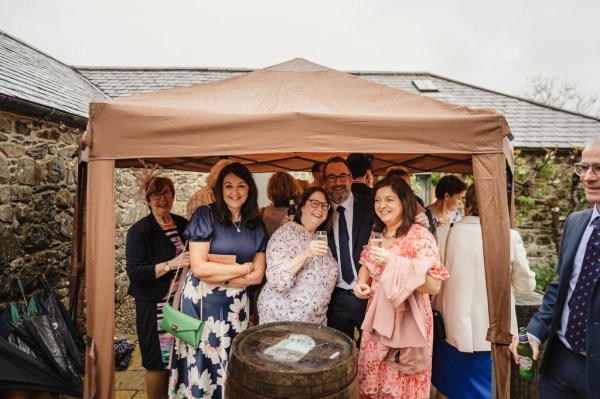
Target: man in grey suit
569, 317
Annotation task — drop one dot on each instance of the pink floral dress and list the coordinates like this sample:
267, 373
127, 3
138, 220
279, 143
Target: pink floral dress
374, 378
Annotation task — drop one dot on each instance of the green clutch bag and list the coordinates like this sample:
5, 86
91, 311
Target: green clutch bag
182, 326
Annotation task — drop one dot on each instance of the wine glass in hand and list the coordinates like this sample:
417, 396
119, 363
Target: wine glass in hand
376, 240
321, 235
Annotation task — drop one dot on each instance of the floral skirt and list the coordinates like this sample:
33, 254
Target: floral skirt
376, 381
200, 372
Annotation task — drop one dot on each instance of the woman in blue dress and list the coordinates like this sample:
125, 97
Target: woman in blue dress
215, 290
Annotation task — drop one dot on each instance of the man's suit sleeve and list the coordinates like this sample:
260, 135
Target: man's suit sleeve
539, 325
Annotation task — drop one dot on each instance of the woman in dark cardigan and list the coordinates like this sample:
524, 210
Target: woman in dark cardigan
153, 251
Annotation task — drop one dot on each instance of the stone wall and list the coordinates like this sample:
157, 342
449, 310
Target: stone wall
37, 188
547, 191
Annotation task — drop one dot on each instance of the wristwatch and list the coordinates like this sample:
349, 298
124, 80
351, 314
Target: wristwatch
226, 283
167, 267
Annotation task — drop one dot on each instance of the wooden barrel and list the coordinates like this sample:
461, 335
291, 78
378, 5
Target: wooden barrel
291, 360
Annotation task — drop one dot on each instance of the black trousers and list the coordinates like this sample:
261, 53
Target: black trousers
564, 374
346, 312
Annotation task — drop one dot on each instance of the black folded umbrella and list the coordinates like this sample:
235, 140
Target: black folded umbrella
65, 325
22, 371
40, 338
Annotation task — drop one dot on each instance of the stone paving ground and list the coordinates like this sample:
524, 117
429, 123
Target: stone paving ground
130, 383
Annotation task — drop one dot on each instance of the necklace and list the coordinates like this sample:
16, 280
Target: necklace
387, 237
237, 226
165, 224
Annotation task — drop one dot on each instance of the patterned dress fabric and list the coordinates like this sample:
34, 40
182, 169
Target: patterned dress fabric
303, 297
374, 378
200, 372
580, 299
164, 338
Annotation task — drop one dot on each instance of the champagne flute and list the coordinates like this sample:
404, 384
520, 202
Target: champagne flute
376, 240
321, 235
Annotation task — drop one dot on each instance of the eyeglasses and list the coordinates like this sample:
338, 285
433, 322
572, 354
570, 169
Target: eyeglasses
582, 168
166, 194
315, 204
343, 178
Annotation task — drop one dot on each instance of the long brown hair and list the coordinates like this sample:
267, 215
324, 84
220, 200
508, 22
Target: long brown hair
407, 200
249, 208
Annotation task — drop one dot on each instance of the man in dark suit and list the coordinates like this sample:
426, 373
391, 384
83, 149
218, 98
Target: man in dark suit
569, 317
352, 224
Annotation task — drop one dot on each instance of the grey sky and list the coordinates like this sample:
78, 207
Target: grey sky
495, 45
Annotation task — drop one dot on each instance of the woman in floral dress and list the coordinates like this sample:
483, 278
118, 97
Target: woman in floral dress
216, 292
395, 208
301, 271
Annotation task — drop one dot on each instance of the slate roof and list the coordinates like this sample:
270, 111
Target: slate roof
29, 75
533, 125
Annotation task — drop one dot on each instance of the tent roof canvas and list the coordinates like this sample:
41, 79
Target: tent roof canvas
270, 114
283, 118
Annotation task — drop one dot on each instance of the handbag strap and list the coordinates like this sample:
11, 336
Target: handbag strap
446, 244
176, 273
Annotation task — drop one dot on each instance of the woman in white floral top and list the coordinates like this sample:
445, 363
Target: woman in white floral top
301, 271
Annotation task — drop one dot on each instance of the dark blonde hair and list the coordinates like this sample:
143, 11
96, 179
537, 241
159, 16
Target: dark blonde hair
281, 188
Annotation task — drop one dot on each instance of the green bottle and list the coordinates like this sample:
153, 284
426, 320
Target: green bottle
526, 362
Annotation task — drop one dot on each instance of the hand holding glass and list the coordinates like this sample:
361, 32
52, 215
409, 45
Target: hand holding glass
321, 235
376, 240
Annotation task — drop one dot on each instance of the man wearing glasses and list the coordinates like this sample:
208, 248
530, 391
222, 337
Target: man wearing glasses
569, 317
352, 223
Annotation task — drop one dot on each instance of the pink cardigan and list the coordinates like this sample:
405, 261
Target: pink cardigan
396, 301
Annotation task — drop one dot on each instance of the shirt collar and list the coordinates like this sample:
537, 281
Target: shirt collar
595, 214
346, 204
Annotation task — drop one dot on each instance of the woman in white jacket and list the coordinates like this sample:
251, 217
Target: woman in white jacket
462, 365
